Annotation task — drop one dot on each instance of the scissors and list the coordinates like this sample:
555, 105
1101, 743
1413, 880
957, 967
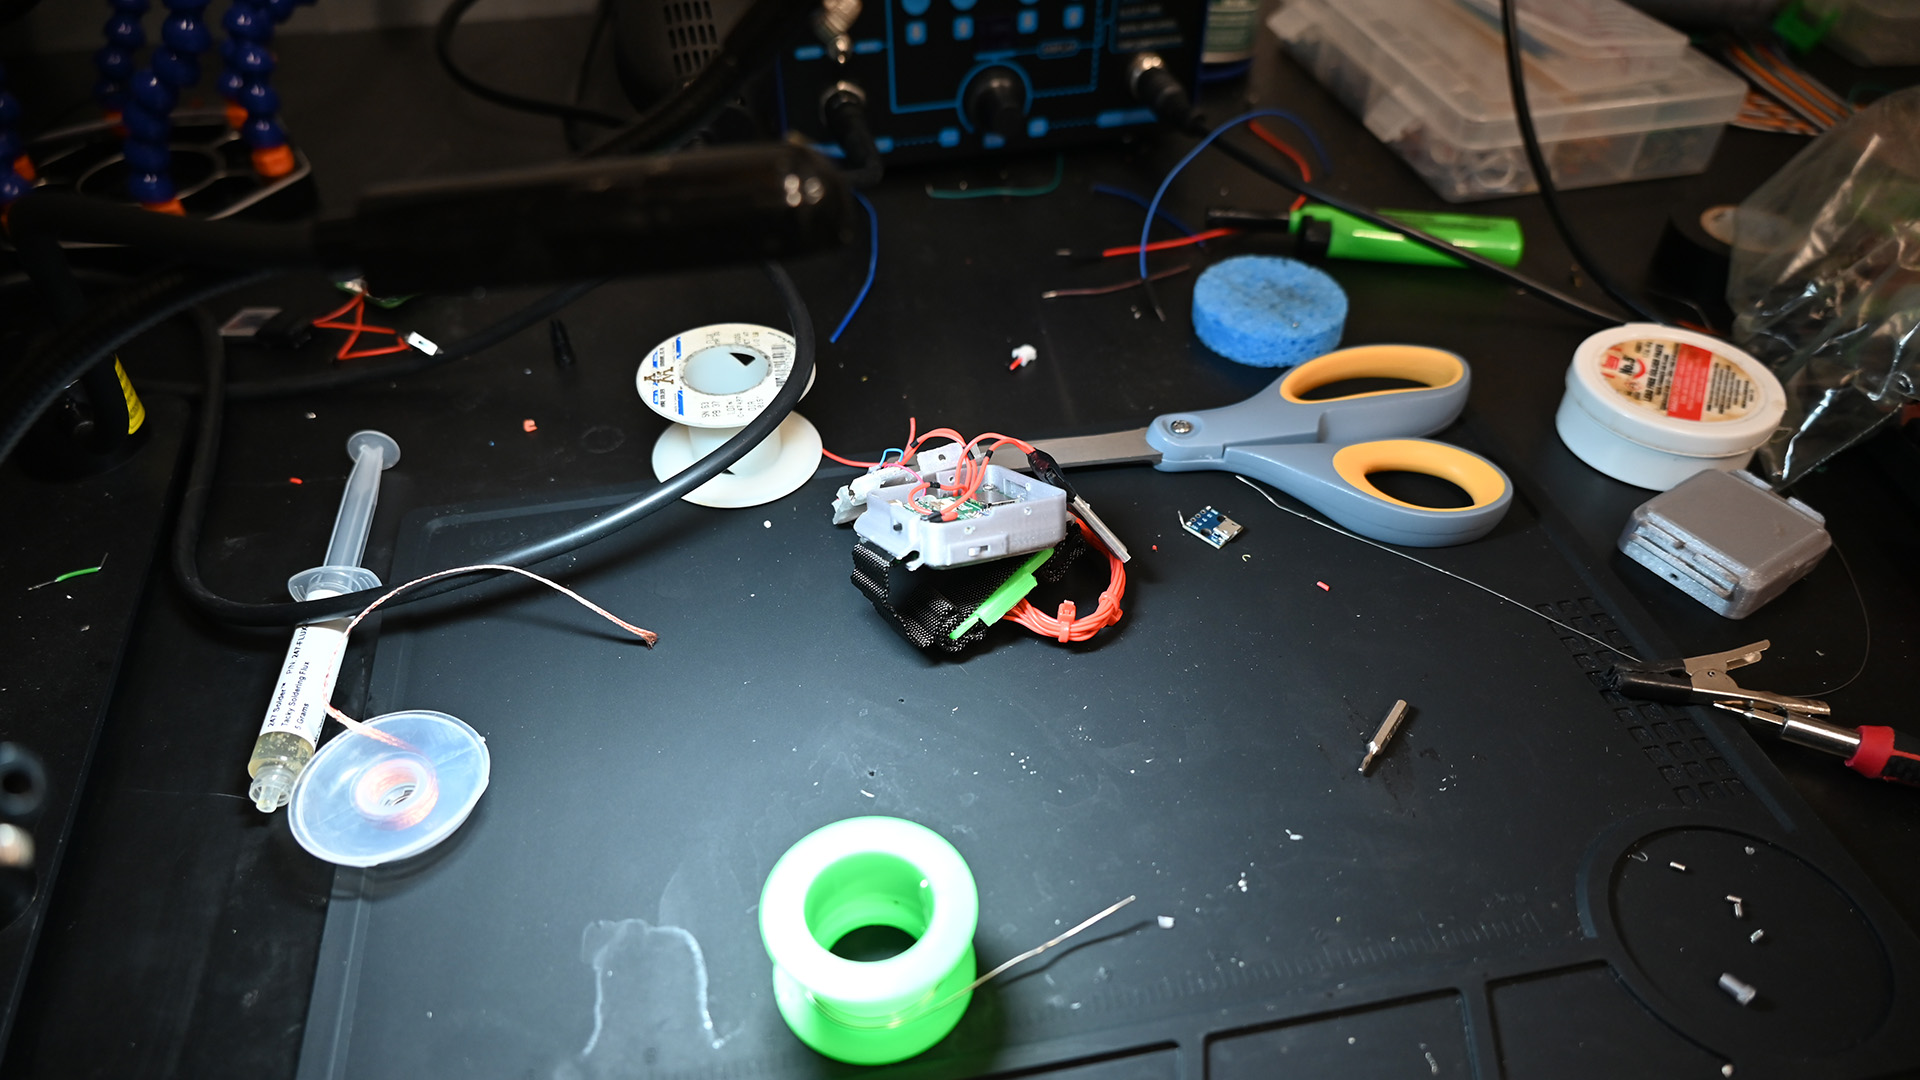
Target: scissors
1323, 452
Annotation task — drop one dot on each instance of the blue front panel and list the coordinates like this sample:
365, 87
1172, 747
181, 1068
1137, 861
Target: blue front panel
916, 58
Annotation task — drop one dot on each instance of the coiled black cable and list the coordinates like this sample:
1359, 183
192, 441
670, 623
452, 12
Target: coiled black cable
752, 42
55, 361
443, 51
193, 507
1479, 262
1543, 175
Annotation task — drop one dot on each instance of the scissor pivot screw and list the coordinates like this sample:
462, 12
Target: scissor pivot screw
1181, 427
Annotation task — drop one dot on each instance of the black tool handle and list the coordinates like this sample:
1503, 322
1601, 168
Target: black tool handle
1886, 754
1650, 685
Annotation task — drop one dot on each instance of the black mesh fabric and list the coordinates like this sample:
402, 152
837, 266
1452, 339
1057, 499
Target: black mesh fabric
926, 604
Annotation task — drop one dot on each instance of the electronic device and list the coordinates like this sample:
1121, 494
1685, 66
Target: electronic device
939, 79
952, 78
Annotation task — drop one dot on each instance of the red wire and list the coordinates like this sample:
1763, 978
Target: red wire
359, 325
849, 461
382, 351
358, 298
1065, 626
1162, 245
968, 474
978, 473
1299, 161
913, 424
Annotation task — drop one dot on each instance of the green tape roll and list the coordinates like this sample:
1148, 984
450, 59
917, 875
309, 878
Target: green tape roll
870, 871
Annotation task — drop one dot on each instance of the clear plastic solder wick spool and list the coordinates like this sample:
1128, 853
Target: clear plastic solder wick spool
365, 800
866, 872
710, 382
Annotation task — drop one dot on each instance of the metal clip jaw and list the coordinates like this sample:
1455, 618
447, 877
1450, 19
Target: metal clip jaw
1710, 680
1792, 719
1704, 680
1794, 727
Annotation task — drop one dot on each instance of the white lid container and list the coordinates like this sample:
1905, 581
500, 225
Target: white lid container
1652, 405
1587, 44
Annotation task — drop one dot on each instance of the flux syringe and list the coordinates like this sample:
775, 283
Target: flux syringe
298, 709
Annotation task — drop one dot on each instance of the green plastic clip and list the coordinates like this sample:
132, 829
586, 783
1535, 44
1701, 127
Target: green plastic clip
1794, 27
1002, 599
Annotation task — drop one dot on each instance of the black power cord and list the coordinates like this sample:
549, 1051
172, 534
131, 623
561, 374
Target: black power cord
1479, 262
55, 361
1162, 91
1543, 176
602, 19
753, 41
193, 508
443, 32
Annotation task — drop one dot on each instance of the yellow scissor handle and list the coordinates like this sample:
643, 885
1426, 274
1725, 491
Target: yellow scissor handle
1437, 369
1469, 472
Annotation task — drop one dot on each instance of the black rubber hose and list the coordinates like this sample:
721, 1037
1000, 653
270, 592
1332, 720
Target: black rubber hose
69, 352
1477, 261
602, 18
443, 51
39, 222
1543, 176
193, 507
752, 43
47, 217
414, 363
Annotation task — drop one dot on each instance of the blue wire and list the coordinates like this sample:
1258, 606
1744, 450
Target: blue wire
1153, 208
873, 264
1141, 202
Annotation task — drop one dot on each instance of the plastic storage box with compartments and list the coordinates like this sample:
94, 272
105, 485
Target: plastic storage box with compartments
1428, 78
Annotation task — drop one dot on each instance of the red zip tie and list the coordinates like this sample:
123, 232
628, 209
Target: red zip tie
1065, 615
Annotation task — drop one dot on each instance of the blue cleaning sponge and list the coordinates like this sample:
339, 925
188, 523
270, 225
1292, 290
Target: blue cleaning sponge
1268, 311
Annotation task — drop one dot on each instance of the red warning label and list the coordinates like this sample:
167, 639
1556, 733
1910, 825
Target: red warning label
1679, 379
1691, 370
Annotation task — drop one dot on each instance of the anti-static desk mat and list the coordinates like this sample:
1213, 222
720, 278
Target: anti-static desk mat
1532, 882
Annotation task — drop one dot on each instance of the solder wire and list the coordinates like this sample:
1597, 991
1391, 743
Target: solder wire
647, 637
1329, 526
921, 1008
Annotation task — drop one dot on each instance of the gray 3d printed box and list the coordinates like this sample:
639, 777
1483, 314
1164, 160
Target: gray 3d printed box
1726, 539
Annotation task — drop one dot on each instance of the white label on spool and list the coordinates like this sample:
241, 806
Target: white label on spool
306, 681
663, 382
1679, 380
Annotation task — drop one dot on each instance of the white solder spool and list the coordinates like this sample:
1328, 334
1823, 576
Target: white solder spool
710, 382
1652, 405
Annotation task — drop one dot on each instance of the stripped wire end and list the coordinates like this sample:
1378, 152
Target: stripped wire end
1106, 290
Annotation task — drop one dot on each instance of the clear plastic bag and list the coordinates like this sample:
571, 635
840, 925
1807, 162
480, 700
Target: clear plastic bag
1825, 284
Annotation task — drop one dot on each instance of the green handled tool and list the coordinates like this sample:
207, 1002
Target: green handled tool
1324, 231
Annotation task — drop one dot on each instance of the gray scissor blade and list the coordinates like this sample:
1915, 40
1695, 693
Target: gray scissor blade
1115, 448
1112, 448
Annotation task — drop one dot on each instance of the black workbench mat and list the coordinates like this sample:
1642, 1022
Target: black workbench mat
1454, 914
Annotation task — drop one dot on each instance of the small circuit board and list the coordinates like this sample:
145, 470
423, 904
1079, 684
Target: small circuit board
1212, 526
984, 500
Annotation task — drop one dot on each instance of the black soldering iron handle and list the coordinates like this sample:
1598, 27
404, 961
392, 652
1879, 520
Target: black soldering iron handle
1886, 754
